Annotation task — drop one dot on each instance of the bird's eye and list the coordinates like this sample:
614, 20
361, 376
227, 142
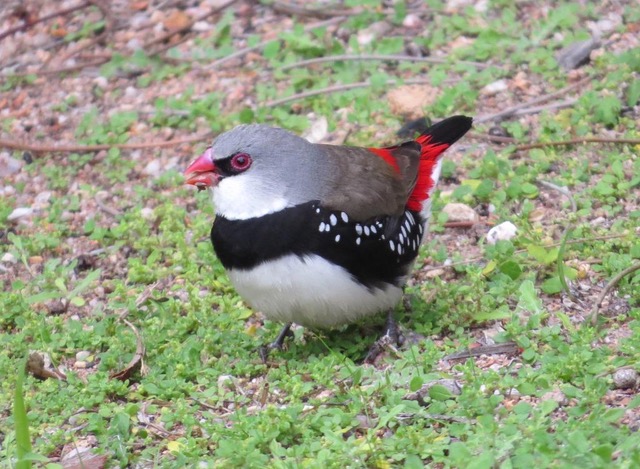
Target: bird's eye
240, 162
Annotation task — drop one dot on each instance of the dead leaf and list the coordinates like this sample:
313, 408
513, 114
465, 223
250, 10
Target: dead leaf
411, 100
41, 368
176, 21
80, 454
135, 363
139, 6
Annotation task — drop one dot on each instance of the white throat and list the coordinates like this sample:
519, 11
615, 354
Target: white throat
241, 197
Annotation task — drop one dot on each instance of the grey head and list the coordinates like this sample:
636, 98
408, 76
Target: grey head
284, 170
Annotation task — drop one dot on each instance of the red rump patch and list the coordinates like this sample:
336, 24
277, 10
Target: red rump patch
428, 160
387, 155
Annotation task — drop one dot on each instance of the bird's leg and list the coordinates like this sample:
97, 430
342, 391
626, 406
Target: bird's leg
392, 330
276, 344
391, 337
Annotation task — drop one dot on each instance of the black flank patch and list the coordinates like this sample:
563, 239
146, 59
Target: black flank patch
376, 252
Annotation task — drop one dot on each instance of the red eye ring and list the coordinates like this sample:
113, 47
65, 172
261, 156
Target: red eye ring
241, 162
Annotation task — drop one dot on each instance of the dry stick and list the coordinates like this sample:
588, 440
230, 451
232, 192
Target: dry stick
92, 148
293, 9
513, 109
26, 25
547, 107
593, 317
338, 88
263, 44
55, 71
563, 190
357, 57
506, 347
102, 206
467, 224
491, 138
579, 141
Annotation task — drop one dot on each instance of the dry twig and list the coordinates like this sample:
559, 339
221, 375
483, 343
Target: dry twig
293, 9
593, 317
579, 141
358, 57
510, 111
506, 347
339, 88
34, 148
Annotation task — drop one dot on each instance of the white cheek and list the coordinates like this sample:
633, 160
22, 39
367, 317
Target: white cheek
241, 197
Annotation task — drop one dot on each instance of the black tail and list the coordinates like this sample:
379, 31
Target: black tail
447, 131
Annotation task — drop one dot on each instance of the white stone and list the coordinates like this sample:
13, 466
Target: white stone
625, 378
411, 21
42, 199
152, 168
318, 130
20, 212
101, 81
10, 258
147, 213
9, 165
7, 190
495, 87
201, 26
226, 382
460, 212
502, 232
373, 31
83, 355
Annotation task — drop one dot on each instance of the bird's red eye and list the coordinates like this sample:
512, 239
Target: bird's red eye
241, 162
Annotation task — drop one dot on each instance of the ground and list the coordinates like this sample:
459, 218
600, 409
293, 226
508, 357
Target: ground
140, 353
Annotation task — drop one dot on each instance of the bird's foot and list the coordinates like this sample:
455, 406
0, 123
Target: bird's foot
391, 338
277, 344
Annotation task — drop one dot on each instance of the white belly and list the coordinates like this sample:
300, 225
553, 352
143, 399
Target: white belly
310, 291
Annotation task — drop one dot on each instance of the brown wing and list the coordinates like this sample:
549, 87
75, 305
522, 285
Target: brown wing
366, 185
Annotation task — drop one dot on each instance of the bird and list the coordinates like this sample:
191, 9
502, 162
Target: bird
320, 235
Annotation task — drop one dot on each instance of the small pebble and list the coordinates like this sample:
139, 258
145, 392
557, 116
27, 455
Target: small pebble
20, 212
460, 212
495, 87
131, 92
147, 213
502, 232
557, 396
226, 382
152, 168
42, 199
626, 378
83, 355
201, 26
9, 258
9, 165
411, 21
101, 82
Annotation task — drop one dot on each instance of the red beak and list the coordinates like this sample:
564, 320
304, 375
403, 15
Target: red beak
202, 172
